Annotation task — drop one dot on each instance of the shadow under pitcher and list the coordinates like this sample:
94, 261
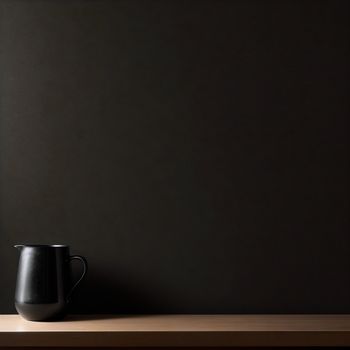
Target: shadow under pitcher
43, 288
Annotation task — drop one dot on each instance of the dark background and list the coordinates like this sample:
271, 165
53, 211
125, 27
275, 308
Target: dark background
196, 152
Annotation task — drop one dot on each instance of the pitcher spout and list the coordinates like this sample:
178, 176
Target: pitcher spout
19, 246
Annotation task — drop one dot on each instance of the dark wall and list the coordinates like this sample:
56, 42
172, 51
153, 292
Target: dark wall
196, 152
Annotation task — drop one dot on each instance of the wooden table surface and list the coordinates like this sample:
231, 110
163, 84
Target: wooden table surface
177, 331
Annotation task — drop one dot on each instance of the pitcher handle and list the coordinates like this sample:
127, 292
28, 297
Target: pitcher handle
85, 268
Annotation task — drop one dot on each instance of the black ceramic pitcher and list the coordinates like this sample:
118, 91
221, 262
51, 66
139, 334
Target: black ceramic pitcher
44, 287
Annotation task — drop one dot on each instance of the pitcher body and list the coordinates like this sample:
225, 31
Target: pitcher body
44, 281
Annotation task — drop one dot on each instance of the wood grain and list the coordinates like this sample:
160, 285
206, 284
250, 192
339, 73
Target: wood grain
177, 331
